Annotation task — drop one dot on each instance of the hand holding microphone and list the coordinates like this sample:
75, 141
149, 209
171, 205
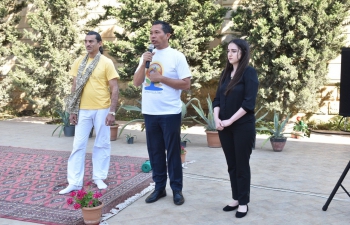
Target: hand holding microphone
150, 49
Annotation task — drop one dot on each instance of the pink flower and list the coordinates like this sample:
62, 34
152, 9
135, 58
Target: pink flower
97, 195
81, 193
298, 118
89, 183
69, 201
76, 206
84, 198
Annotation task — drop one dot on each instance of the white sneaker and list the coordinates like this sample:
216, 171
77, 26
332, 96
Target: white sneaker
100, 184
70, 188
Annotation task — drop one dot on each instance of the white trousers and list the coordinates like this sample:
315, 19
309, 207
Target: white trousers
101, 151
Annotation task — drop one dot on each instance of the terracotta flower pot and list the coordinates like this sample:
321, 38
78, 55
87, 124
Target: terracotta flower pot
292, 135
183, 157
298, 134
92, 215
114, 132
278, 143
213, 139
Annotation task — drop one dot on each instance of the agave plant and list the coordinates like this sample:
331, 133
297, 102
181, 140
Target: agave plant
64, 121
209, 117
184, 111
277, 132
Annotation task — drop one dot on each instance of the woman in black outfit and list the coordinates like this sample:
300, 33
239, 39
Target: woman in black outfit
234, 105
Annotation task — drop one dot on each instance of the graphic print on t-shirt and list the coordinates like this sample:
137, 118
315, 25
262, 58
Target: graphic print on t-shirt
149, 85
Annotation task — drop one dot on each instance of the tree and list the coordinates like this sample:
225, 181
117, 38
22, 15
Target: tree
195, 22
9, 18
292, 42
42, 65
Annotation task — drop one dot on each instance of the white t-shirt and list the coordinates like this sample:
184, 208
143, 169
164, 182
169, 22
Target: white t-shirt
159, 98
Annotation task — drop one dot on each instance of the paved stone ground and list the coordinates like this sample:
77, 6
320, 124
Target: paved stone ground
288, 187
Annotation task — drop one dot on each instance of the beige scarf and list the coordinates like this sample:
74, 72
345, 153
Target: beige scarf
73, 99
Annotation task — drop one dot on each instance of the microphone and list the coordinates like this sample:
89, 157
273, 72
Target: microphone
150, 49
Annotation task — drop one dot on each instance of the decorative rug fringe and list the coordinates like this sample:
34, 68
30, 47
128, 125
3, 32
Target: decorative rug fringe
125, 204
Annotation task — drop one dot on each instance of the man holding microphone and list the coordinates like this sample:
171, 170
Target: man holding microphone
162, 83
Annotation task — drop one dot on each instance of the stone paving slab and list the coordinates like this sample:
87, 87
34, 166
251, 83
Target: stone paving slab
288, 187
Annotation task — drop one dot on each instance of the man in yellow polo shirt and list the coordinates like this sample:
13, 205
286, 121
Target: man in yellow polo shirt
98, 101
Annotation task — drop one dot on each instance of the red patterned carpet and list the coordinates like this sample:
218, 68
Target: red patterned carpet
30, 180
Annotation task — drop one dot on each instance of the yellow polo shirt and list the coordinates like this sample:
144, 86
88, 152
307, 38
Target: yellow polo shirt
96, 93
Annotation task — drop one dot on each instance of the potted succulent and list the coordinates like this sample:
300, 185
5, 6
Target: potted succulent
184, 140
88, 201
130, 138
115, 126
300, 129
277, 138
183, 154
65, 125
209, 125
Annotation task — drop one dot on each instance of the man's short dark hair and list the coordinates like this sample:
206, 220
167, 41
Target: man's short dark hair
165, 26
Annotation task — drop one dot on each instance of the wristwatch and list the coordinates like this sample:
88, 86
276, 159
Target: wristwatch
113, 113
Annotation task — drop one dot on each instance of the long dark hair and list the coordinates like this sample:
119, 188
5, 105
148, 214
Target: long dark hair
243, 46
98, 38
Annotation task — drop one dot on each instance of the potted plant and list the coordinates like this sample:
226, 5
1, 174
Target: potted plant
277, 138
115, 126
184, 140
65, 125
183, 154
300, 129
209, 125
130, 138
88, 201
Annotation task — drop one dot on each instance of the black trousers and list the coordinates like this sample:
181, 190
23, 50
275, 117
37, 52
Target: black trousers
163, 133
237, 143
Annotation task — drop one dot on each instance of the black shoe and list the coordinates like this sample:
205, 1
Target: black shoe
229, 208
155, 196
178, 198
241, 214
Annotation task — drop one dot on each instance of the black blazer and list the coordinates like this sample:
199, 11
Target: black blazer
242, 95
